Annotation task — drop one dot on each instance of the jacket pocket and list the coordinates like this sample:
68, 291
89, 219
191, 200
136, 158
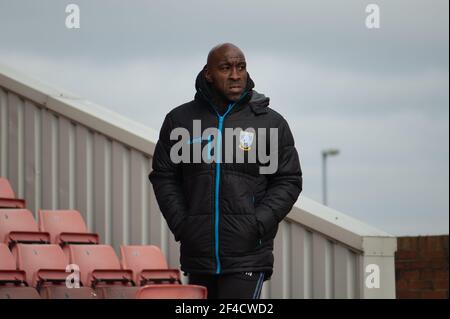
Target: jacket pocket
196, 237
237, 194
238, 234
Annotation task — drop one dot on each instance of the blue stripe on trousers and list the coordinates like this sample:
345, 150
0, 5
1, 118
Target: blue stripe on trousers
258, 286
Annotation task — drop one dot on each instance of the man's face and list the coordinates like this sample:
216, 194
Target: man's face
227, 72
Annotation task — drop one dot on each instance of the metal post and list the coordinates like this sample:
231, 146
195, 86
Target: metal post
325, 153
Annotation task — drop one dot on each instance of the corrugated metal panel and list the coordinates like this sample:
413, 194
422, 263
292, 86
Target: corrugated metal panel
54, 161
308, 265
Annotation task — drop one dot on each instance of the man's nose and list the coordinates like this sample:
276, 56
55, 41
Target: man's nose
235, 74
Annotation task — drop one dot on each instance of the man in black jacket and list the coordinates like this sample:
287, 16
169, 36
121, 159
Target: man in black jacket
220, 193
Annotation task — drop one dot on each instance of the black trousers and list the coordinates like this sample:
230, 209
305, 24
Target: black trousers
245, 285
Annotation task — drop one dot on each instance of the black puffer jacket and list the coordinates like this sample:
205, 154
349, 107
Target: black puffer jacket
226, 215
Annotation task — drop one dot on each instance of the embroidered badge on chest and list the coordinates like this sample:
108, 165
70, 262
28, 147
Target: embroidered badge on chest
246, 140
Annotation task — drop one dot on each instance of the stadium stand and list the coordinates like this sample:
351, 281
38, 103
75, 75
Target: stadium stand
19, 226
34, 257
172, 292
45, 268
100, 269
66, 227
148, 265
13, 283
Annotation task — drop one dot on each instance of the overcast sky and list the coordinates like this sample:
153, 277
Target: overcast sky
378, 95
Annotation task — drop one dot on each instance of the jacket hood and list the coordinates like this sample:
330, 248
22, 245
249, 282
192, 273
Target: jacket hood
257, 101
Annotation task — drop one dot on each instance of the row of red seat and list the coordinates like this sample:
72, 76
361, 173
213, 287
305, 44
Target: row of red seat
101, 275
34, 259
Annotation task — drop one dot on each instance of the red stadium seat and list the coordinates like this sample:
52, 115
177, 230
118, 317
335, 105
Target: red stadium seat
19, 226
7, 261
18, 293
7, 197
148, 264
45, 267
13, 283
66, 227
172, 292
100, 269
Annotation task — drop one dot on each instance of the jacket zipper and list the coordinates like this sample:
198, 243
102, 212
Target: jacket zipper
217, 188
217, 184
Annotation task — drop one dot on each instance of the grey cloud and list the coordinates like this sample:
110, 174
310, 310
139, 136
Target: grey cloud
327, 32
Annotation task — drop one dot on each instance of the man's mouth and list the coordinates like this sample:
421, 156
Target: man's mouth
235, 88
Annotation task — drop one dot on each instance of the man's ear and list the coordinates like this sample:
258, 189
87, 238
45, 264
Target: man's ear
208, 76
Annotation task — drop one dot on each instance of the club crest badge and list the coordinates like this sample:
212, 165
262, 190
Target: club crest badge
246, 140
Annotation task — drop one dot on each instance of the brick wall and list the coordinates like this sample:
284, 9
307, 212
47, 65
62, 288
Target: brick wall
421, 267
